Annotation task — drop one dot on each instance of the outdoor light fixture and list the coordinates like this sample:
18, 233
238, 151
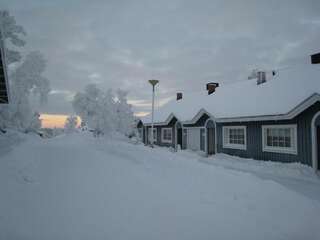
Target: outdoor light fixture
153, 82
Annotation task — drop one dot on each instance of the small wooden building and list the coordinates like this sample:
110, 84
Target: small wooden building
277, 119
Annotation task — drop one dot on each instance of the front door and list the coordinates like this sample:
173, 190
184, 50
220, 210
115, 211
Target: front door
179, 137
193, 139
210, 141
318, 146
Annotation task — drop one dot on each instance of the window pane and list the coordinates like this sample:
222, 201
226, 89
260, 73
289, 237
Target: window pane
287, 142
278, 137
236, 136
281, 143
167, 134
287, 132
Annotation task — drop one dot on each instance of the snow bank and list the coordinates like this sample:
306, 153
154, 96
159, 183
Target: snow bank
295, 171
80, 187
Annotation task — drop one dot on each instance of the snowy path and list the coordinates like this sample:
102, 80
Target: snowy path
77, 187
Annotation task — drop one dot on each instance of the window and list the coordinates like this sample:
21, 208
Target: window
235, 137
166, 135
154, 135
279, 138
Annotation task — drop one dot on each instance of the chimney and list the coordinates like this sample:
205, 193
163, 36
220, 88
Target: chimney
179, 96
211, 87
261, 77
315, 58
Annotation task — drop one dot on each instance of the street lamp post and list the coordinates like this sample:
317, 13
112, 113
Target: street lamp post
153, 82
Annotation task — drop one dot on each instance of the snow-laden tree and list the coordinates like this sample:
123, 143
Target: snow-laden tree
35, 122
71, 124
103, 111
11, 33
125, 117
26, 79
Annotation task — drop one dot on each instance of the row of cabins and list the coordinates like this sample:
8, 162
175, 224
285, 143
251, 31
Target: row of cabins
275, 118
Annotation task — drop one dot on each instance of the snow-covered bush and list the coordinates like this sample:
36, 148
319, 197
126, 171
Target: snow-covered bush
35, 123
124, 116
102, 111
71, 124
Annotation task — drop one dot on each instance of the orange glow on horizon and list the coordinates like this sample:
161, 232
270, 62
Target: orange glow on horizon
141, 114
55, 120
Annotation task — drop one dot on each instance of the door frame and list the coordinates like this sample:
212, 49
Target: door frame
314, 142
206, 134
188, 135
176, 134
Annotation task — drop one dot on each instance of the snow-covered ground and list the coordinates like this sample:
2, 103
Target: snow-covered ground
76, 187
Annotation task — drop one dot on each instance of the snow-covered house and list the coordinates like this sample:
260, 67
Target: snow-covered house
4, 95
276, 120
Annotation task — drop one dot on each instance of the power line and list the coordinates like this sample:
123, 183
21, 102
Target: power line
300, 61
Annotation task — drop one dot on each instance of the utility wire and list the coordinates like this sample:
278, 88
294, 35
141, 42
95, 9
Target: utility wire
274, 72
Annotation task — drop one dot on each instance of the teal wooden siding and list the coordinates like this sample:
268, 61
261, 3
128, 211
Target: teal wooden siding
170, 125
184, 139
254, 139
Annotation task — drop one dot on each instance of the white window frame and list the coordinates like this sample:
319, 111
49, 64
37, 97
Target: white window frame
225, 138
293, 135
162, 135
154, 135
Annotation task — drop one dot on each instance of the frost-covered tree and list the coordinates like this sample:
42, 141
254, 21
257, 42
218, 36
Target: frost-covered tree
125, 117
71, 124
11, 33
35, 123
27, 79
103, 111
95, 107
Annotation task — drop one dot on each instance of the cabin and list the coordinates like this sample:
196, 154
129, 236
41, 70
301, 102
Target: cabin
4, 94
276, 117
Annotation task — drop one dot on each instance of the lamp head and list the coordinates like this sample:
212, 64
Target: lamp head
153, 82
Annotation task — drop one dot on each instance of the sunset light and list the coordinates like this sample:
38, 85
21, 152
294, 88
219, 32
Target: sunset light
54, 120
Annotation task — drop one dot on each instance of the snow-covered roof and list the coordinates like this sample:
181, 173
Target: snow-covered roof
280, 95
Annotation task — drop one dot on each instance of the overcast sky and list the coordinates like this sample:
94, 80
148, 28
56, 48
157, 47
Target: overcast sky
184, 44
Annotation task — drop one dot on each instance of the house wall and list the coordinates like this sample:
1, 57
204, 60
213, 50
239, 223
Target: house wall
254, 139
159, 142
199, 123
200, 133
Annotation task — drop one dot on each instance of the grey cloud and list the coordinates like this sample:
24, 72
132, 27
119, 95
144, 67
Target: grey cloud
122, 44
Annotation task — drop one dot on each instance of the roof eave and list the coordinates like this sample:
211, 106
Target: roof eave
166, 122
276, 117
315, 97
